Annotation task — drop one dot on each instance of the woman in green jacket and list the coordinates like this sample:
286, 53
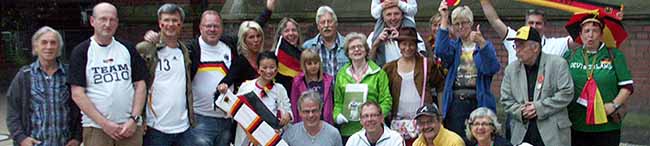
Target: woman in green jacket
358, 81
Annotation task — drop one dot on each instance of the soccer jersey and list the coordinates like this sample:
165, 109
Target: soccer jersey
213, 67
609, 75
107, 73
168, 112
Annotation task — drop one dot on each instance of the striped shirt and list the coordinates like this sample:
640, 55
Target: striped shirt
50, 119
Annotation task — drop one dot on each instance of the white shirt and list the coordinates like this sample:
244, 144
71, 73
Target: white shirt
214, 66
409, 98
275, 100
388, 138
108, 78
169, 113
391, 51
553, 46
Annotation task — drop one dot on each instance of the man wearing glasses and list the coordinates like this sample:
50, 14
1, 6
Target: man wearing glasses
429, 122
311, 131
538, 110
374, 132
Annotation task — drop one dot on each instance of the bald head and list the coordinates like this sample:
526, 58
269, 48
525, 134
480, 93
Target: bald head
104, 20
104, 7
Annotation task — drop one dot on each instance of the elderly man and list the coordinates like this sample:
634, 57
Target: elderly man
329, 42
374, 132
534, 19
535, 91
312, 131
107, 80
41, 110
169, 102
382, 41
432, 133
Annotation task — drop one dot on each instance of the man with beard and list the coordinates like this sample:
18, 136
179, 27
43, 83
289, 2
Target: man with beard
432, 133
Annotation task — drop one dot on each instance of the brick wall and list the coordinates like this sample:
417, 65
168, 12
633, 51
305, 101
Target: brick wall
636, 49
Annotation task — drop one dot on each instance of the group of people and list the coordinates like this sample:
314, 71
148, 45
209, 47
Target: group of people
384, 89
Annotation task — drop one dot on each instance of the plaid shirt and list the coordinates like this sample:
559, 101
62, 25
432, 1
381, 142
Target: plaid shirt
332, 58
50, 119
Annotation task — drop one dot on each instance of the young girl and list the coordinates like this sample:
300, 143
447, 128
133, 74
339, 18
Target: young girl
312, 78
273, 95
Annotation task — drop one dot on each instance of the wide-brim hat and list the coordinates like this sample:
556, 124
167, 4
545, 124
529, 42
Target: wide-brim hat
408, 34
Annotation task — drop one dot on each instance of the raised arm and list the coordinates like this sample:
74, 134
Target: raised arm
494, 19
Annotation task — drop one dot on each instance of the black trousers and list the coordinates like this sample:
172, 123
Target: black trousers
608, 138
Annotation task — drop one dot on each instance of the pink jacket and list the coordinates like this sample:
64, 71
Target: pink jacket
299, 86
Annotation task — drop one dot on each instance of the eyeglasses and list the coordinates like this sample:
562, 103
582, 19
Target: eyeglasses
422, 123
357, 47
366, 116
211, 26
462, 23
310, 111
481, 124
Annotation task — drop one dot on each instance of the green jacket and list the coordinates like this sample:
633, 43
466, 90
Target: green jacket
378, 91
149, 53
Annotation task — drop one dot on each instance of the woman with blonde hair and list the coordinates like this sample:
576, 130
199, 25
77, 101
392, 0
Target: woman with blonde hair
471, 62
250, 43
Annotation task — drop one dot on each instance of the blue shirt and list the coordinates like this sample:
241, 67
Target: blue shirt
332, 59
50, 119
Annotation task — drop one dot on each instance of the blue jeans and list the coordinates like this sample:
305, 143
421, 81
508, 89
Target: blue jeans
211, 131
153, 137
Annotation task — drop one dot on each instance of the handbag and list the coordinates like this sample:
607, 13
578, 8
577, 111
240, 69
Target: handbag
405, 125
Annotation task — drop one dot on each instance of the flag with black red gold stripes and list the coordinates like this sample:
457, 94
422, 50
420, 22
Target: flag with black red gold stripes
288, 58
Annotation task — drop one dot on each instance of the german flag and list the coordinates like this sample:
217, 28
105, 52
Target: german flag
575, 6
288, 58
453, 3
595, 106
258, 107
613, 34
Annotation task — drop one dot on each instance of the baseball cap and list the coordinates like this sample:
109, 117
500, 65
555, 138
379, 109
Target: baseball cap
429, 110
527, 33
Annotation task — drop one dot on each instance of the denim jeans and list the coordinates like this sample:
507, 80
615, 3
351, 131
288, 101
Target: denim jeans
153, 137
211, 131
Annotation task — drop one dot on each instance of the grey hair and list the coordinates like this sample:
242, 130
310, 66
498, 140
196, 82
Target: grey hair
322, 10
40, 32
310, 95
462, 12
482, 112
354, 36
171, 8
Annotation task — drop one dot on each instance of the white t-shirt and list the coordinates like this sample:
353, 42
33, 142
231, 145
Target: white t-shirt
276, 99
108, 81
553, 46
409, 98
169, 114
214, 66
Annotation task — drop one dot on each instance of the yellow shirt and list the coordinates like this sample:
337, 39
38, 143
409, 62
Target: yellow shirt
444, 138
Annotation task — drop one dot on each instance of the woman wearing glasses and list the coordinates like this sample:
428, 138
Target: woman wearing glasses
357, 82
483, 129
471, 61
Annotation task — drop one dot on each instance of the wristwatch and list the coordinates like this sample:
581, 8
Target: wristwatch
135, 118
616, 105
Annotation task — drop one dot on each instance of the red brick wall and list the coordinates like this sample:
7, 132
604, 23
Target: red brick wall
636, 50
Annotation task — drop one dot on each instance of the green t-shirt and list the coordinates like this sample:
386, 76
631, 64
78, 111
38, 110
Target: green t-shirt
609, 75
